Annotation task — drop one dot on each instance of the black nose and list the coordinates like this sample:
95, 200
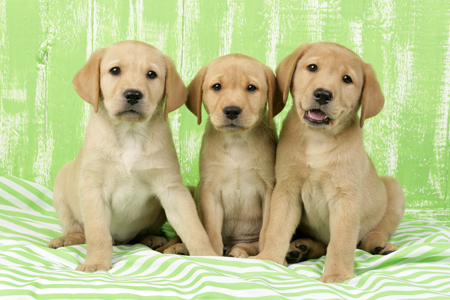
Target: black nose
132, 96
322, 96
232, 112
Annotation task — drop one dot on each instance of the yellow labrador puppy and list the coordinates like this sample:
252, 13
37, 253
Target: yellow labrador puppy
237, 157
126, 178
325, 181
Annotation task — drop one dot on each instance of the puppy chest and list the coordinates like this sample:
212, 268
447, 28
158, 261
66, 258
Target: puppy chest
238, 179
242, 213
128, 194
240, 168
132, 157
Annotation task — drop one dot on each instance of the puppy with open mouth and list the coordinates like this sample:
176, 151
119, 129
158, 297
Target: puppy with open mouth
326, 184
126, 178
237, 155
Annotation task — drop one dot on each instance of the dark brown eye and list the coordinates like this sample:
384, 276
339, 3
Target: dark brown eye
115, 71
347, 79
251, 88
312, 68
151, 75
217, 87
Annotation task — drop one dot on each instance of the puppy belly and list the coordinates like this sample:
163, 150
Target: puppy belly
317, 229
124, 230
230, 241
246, 231
132, 214
242, 215
315, 217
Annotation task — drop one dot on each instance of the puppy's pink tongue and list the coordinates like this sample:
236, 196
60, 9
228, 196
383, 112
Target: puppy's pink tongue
317, 115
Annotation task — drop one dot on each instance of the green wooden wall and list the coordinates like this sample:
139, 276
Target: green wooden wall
44, 43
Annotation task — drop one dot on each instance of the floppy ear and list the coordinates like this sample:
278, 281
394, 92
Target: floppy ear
195, 94
372, 99
286, 68
87, 81
176, 92
275, 97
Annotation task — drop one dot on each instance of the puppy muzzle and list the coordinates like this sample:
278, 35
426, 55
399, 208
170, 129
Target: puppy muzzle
232, 112
132, 96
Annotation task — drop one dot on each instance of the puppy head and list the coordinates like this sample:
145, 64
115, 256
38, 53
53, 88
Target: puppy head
328, 83
234, 89
130, 79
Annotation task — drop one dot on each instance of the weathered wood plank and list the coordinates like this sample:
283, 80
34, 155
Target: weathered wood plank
24, 78
43, 44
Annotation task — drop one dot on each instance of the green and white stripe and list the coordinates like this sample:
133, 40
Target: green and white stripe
28, 269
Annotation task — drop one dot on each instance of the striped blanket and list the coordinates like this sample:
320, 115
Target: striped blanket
30, 270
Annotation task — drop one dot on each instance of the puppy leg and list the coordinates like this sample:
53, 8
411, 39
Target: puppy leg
304, 249
266, 211
72, 230
182, 214
344, 224
243, 250
212, 218
376, 241
73, 233
285, 212
97, 220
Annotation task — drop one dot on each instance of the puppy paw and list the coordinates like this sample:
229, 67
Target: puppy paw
93, 267
68, 240
179, 249
237, 252
379, 247
385, 248
304, 249
153, 241
333, 278
298, 251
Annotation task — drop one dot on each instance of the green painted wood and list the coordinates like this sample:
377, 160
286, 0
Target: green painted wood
44, 43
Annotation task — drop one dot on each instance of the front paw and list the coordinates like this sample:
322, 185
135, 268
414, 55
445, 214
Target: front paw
298, 251
179, 249
335, 278
153, 241
385, 248
68, 240
377, 246
304, 249
94, 266
237, 252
